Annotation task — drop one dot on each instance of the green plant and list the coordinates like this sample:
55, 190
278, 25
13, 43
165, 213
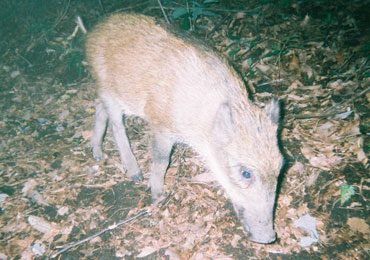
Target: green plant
192, 11
346, 192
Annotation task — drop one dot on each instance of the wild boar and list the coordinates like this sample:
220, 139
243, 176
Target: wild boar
188, 94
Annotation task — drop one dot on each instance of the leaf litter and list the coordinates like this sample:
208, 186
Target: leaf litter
53, 194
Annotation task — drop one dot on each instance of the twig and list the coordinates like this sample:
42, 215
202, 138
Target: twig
189, 16
164, 13
344, 63
63, 13
80, 24
351, 99
248, 11
159, 203
111, 227
58, 20
23, 58
319, 115
274, 82
330, 112
101, 6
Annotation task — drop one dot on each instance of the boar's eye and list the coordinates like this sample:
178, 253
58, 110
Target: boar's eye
246, 173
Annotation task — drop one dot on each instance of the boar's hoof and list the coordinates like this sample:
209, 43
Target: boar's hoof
137, 177
97, 154
97, 158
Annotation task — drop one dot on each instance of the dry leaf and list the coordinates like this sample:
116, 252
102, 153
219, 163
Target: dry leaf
340, 58
171, 254
358, 225
263, 68
305, 21
146, 251
27, 255
39, 224
37, 197
29, 186
87, 135
294, 63
203, 177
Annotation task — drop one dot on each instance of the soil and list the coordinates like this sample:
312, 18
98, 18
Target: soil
313, 55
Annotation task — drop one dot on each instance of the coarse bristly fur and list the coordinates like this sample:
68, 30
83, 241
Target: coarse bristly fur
188, 94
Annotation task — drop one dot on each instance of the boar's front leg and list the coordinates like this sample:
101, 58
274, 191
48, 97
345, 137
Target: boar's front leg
161, 151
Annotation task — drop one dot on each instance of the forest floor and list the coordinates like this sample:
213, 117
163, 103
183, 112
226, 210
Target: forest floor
313, 55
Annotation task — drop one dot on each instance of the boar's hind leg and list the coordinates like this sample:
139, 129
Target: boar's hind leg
161, 150
119, 133
101, 119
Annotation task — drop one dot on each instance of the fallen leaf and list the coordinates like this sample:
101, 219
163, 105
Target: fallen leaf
37, 197
294, 63
204, 177
358, 225
340, 59
172, 255
28, 186
27, 255
87, 135
146, 251
39, 224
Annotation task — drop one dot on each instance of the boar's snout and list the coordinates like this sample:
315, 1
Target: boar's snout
259, 225
264, 235
266, 239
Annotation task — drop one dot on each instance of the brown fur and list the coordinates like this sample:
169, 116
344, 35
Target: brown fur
188, 94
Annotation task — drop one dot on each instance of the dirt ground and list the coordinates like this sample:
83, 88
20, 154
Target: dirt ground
313, 55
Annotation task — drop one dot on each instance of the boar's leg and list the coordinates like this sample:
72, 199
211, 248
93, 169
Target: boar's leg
101, 119
161, 150
120, 137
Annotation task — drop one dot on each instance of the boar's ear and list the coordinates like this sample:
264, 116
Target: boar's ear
272, 110
223, 126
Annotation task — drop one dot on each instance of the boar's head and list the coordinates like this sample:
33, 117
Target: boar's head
249, 162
